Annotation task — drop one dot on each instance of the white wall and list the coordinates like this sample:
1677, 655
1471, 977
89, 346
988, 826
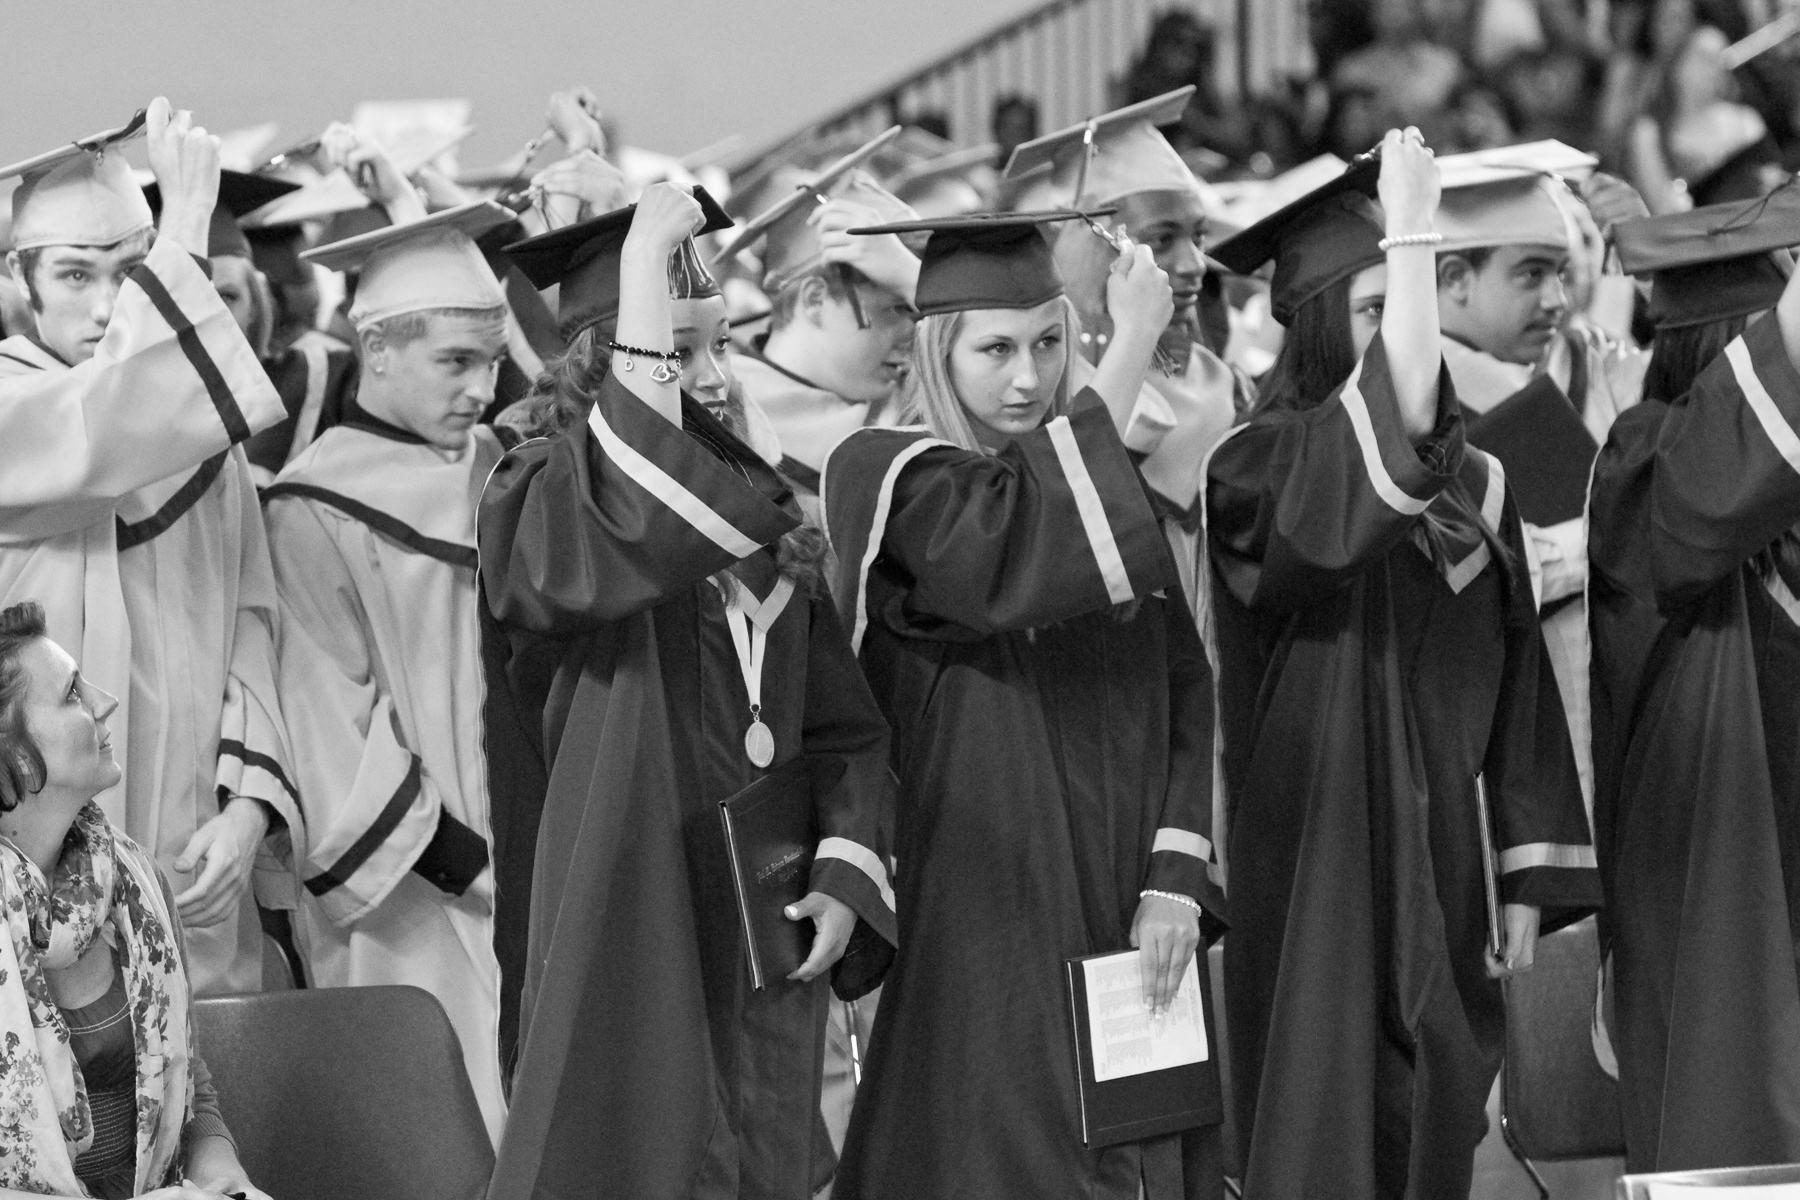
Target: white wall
679, 74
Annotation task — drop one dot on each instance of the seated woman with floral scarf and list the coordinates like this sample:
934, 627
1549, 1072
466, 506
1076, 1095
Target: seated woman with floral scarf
101, 1090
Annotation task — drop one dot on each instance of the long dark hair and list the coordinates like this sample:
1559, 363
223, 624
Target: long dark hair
1677, 356
1317, 355
563, 395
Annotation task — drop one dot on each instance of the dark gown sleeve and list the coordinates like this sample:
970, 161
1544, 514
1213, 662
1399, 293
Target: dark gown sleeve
846, 741
1183, 849
1725, 481
1298, 503
612, 518
1054, 526
1540, 825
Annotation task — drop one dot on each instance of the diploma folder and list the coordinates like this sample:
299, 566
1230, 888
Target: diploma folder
1127, 1107
1545, 447
770, 835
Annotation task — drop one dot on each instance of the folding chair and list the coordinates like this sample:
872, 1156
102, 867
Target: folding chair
1556, 1104
346, 1094
1639, 1187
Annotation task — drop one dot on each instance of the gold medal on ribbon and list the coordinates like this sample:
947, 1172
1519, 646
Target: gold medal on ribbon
759, 742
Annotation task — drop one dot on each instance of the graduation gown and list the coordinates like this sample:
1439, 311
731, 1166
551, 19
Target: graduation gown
1363, 685
1696, 725
1176, 422
1054, 757
127, 510
373, 537
647, 1067
809, 420
1602, 378
314, 377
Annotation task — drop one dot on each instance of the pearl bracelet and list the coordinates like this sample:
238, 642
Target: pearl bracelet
1409, 239
1177, 897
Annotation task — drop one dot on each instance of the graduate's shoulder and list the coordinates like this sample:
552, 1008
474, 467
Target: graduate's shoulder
523, 457
19, 355
764, 381
876, 446
327, 456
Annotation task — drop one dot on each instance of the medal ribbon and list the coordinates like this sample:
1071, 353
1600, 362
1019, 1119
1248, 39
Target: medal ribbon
750, 622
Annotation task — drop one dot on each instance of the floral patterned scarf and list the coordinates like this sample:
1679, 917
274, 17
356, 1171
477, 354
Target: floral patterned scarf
105, 886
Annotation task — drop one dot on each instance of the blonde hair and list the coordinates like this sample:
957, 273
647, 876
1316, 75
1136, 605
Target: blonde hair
930, 398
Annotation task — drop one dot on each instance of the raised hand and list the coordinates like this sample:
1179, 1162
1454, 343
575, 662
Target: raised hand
1138, 296
666, 213
884, 260
375, 173
185, 160
587, 178
1408, 187
574, 117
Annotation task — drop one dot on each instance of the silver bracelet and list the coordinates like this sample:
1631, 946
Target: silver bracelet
1177, 897
1409, 239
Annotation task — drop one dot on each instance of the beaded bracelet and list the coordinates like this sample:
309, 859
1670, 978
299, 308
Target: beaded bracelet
667, 369
1177, 897
1409, 239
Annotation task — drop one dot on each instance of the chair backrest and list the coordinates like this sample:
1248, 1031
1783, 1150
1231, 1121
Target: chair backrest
346, 1093
1557, 1101
1785, 1180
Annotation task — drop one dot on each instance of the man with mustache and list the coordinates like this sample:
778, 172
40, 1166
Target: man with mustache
372, 530
1504, 285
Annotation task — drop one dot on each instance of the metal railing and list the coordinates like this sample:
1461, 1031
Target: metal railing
1071, 57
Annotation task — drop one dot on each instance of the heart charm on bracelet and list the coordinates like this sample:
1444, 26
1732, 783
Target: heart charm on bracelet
664, 372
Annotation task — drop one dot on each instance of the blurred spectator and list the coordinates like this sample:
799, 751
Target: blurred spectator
1478, 117
1403, 77
1696, 142
1015, 122
1552, 93
934, 121
1357, 120
1337, 29
1179, 51
1646, 37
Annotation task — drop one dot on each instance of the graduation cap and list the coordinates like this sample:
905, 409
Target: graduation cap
775, 172
584, 259
1509, 196
1713, 263
319, 200
431, 263
275, 249
243, 149
1325, 236
336, 192
793, 246
1113, 155
79, 194
917, 181
988, 260
240, 194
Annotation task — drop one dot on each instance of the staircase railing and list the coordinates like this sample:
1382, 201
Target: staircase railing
1070, 56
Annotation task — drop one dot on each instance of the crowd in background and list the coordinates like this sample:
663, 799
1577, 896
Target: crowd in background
1644, 84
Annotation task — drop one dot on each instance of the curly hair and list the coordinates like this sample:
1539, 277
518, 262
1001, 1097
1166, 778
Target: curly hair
22, 768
